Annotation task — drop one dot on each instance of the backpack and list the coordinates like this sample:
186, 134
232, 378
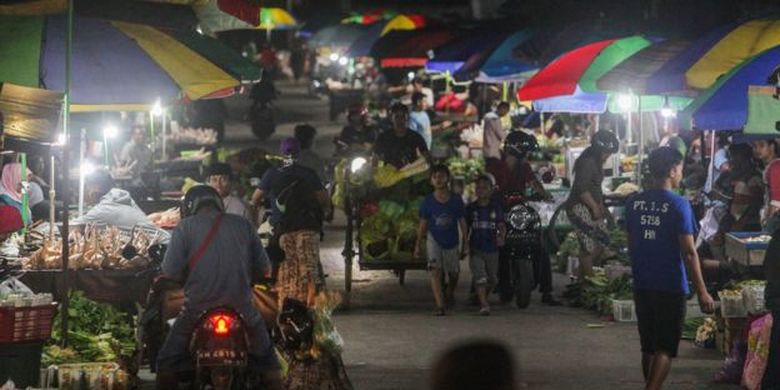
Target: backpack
297, 203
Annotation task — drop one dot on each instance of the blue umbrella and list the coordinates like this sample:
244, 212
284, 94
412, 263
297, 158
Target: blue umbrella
451, 56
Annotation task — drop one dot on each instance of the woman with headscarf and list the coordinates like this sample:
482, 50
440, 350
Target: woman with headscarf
11, 190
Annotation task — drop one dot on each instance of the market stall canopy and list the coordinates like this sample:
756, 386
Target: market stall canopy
116, 65
724, 106
340, 36
415, 52
405, 22
503, 64
581, 68
30, 113
370, 17
388, 43
452, 56
741, 43
362, 46
241, 15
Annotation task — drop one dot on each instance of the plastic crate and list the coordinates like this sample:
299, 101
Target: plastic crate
753, 298
624, 310
26, 323
732, 307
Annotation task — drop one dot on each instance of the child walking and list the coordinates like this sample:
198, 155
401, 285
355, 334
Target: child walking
485, 219
442, 222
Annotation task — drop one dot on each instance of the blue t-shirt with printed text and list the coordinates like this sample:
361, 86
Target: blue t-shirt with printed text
483, 222
443, 219
655, 220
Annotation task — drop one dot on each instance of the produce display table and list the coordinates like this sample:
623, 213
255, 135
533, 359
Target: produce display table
117, 287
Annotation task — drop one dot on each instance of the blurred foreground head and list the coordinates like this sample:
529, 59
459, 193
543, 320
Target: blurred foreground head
485, 365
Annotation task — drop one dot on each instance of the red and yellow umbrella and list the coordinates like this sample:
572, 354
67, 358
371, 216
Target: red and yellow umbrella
405, 22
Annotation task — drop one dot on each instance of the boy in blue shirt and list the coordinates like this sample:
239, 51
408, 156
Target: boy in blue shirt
485, 218
442, 221
661, 229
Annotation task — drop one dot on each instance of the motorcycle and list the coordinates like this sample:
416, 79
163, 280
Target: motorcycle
522, 252
220, 350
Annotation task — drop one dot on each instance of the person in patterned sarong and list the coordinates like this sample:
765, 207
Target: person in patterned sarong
302, 201
585, 206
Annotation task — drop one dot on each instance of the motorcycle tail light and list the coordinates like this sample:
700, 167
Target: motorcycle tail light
220, 323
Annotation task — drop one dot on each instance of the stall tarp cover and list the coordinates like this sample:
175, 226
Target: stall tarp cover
30, 113
763, 111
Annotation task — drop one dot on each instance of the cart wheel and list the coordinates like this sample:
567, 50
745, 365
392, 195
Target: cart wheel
402, 277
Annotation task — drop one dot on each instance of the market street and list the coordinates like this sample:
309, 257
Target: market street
391, 338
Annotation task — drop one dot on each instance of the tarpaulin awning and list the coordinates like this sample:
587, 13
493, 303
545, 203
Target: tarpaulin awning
763, 111
743, 42
415, 51
30, 113
724, 106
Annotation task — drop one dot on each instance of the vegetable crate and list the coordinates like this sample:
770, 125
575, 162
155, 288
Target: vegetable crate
624, 310
26, 323
732, 306
743, 251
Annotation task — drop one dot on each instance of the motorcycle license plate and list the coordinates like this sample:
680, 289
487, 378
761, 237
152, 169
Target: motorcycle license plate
222, 357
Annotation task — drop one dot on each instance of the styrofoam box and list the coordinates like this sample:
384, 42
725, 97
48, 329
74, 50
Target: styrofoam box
624, 310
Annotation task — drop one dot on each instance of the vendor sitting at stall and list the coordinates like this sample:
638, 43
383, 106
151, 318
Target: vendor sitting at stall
220, 177
10, 222
113, 206
11, 190
136, 156
400, 146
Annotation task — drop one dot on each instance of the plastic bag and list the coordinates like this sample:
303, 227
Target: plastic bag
12, 285
757, 352
326, 337
731, 371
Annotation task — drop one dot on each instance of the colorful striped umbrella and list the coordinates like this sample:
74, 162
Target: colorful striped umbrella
405, 22
660, 68
370, 17
117, 65
741, 43
225, 15
724, 106
581, 68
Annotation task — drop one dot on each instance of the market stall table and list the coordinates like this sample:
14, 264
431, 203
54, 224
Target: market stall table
122, 288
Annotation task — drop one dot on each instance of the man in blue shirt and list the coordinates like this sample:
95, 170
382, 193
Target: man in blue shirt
419, 121
661, 229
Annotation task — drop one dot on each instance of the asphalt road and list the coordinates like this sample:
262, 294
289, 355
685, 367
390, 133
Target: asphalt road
391, 338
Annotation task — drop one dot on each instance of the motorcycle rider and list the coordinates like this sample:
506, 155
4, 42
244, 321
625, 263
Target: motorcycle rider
513, 174
216, 269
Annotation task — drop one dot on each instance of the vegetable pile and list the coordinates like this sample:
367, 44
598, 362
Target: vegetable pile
389, 229
96, 333
597, 292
